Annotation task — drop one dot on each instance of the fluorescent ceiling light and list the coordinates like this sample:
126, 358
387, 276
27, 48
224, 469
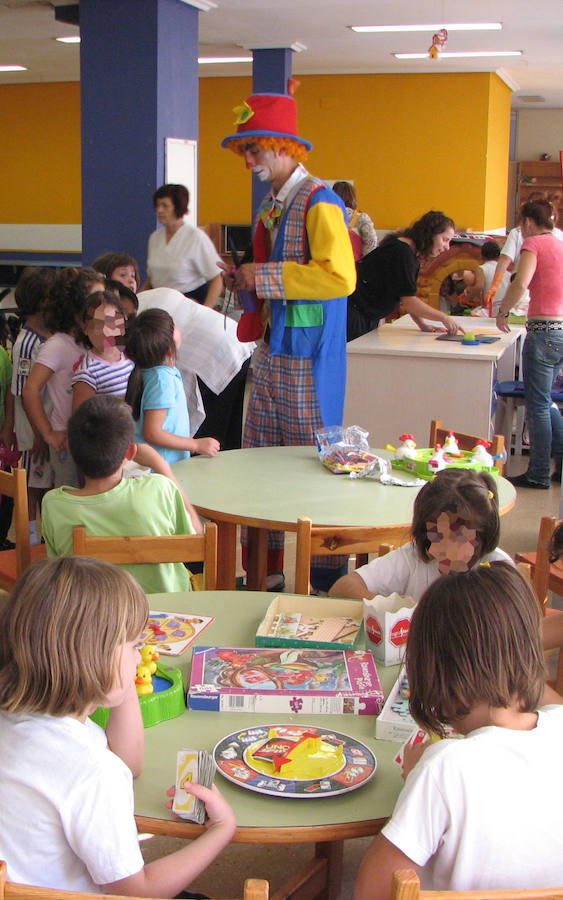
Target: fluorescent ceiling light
458, 54
72, 39
459, 26
207, 60
13, 68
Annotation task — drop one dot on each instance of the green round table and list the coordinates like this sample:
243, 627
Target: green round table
262, 819
270, 487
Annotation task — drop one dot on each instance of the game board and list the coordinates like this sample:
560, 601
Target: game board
236, 759
170, 633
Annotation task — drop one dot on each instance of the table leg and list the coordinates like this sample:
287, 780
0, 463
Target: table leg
332, 852
257, 559
226, 556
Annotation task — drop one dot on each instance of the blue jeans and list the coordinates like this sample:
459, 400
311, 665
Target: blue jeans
542, 358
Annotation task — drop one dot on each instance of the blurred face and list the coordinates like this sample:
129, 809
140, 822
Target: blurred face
129, 658
442, 241
105, 328
126, 275
165, 212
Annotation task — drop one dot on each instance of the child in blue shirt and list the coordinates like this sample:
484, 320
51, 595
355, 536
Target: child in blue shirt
155, 390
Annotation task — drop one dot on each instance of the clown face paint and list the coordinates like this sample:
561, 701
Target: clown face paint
261, 162
452, 543
105, 328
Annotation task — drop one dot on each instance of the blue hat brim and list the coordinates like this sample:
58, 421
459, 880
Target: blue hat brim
257, 134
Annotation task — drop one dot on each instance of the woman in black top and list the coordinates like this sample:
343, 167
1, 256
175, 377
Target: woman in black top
388, 276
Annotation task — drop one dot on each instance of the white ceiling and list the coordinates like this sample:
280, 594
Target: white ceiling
27, 29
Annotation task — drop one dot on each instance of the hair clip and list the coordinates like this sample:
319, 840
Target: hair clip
491, 495
485, 564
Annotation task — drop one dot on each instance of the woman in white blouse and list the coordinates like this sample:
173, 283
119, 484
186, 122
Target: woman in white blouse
181, 256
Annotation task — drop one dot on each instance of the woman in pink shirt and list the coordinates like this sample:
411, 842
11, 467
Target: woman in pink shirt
541, 270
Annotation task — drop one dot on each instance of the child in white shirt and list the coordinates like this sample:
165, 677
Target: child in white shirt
469, 501
481, 813
69, 643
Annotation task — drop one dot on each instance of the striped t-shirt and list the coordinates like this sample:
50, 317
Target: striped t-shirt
104, 377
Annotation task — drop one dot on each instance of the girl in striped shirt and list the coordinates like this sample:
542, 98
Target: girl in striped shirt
104, 368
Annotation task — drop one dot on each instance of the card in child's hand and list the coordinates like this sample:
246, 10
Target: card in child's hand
415, 738
192, 765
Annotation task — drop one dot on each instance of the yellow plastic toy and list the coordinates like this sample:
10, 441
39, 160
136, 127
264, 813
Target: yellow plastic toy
143, 681
149, 657
305, 757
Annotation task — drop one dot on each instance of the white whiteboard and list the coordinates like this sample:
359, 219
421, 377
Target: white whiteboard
181, 168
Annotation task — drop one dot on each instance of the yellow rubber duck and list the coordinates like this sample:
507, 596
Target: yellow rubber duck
143, 681
149, 657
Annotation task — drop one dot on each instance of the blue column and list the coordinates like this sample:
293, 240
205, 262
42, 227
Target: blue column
139, 85
271, 71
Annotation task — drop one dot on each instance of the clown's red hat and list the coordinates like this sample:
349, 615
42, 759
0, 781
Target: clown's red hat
267, 115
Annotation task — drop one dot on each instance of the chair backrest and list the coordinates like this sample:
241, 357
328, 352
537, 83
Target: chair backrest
254, 889
405, 885
14, 484
438, 435
541, 574
175, 548
334, 540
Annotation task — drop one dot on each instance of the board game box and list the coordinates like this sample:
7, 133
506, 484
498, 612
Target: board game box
321, 622
279, 680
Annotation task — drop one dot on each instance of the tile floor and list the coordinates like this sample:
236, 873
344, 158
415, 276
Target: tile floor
225, 878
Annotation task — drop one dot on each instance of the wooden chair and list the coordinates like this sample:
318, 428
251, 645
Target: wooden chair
545, 575
438, 435
329, 540
175, 548
14, 562
254, 889
405, 885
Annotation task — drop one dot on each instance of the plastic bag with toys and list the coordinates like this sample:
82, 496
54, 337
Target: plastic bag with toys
346, 451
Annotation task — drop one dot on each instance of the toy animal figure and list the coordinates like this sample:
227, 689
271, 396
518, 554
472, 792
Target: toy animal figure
481, 456
149, 657
451, 446
407, 447
143, 681
437, 461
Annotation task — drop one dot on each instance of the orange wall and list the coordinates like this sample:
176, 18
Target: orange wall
40, 153
409, 142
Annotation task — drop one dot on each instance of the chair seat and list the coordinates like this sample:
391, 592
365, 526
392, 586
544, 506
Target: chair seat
8, 576
516, 389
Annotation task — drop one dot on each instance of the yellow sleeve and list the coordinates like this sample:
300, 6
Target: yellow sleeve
331, 271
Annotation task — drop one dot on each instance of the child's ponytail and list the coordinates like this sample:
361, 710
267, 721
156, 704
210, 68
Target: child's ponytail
134, 392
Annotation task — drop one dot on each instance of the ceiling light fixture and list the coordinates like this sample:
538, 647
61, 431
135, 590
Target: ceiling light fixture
13, 68
209, 60
456, 26
454, 54
71, 39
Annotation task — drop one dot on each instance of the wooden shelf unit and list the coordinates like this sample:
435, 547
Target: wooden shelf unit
546, 176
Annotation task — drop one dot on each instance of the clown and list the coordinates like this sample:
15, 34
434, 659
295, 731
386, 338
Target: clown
302, 273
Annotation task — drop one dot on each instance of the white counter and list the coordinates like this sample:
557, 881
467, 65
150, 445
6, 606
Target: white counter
400, 378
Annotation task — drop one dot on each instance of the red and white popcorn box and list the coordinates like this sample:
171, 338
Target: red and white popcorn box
386, 622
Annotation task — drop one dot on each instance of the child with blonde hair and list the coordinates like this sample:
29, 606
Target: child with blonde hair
69, 643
